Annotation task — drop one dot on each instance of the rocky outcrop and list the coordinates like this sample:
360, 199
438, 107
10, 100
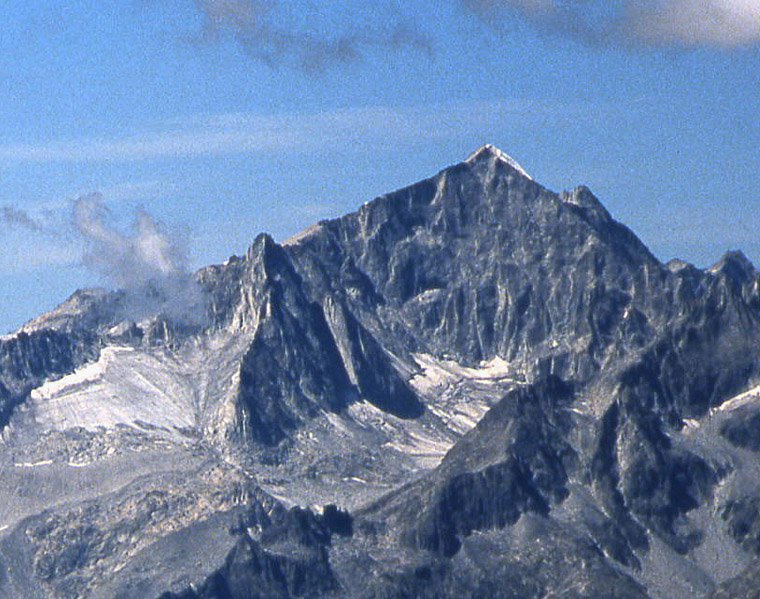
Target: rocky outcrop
289, 560
515, 461
28, 359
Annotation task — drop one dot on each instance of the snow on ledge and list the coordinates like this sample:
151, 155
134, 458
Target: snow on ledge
302, 235
748, 397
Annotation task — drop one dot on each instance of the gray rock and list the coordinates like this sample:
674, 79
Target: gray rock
599, 474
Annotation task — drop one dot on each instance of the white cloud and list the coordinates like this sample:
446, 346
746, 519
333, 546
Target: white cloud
725, 23
698, 22
148, 254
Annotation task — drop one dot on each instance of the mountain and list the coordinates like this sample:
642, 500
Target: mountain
472, 387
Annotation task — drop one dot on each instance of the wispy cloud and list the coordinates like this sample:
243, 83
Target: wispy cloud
268, 32
33, 240
297, 133
149, 253
148, 262
725, 23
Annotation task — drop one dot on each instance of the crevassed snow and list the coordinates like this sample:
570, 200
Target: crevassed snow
125, 386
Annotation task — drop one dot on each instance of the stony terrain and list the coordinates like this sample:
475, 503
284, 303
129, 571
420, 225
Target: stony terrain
472, 387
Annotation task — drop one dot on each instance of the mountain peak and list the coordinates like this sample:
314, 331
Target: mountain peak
489, 151
736, 265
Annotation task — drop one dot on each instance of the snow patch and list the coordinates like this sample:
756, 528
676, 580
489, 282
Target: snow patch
459, 396
437, 374
428, 295
80, 377
463, 417
500, 155
355, 479
33, 464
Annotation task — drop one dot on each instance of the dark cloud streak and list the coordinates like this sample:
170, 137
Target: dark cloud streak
265, 35
16, 217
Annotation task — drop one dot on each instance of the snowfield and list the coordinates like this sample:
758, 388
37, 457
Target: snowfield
125, 386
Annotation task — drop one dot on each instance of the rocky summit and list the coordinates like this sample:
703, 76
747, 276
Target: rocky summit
472, 387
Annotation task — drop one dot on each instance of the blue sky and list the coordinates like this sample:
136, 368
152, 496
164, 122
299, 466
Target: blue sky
225, 118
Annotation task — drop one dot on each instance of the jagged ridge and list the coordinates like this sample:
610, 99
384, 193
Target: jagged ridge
597, 471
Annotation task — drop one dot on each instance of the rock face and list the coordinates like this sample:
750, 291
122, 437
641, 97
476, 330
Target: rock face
497, 391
